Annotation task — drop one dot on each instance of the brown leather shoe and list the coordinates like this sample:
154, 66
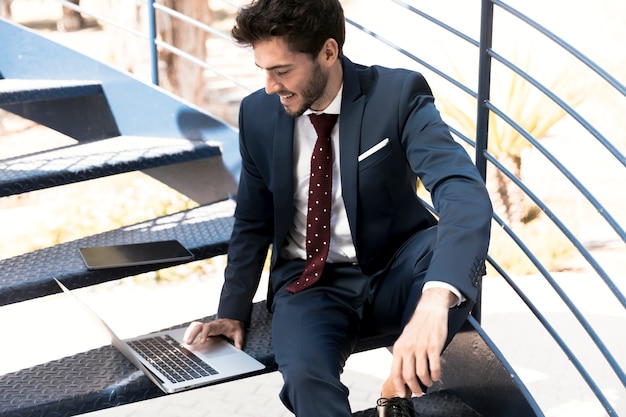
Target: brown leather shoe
395, 407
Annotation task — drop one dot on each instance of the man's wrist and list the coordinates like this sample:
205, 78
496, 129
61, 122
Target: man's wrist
457, 297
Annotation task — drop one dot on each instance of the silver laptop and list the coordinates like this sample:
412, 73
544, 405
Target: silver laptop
173, 365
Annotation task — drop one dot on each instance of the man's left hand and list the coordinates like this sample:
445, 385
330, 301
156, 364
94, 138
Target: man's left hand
417, 352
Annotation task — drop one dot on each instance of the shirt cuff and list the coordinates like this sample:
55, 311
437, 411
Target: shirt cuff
440, 284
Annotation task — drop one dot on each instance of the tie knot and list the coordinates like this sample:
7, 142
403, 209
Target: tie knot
323, 124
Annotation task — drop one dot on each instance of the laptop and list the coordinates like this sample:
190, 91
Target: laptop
116, 256
170, 363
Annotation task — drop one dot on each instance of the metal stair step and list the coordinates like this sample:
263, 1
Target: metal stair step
204, 230
102, 378
15, 91
89, 160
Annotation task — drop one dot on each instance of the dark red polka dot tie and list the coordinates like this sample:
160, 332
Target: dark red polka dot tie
320, 199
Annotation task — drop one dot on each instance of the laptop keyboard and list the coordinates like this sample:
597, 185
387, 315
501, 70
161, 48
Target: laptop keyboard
172, 359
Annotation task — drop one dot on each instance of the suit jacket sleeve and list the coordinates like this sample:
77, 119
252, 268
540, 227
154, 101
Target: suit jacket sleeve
457, 191
251, 236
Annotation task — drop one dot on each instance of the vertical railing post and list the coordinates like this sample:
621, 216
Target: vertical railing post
484, 87
154, 58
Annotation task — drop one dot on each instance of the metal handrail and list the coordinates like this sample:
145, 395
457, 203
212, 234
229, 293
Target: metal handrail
104, 19
413, 57
566, 46
562, 295
569, 109
439, 23
180, 16
549, 328
618, 294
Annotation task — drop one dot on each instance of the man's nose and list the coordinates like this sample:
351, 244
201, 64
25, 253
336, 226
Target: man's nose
271, 85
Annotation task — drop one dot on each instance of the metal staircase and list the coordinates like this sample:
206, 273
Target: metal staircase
122, 125
119, 125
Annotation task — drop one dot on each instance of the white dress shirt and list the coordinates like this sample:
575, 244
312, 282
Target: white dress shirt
341, 246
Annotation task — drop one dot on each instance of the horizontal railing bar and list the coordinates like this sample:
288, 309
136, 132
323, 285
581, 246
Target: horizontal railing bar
462, 137
570, 110
552, 331
579, 316
106, 20
233, 4
438, 23
403, 51
194, 22
579, 246
571, 177
569, 48
196, 60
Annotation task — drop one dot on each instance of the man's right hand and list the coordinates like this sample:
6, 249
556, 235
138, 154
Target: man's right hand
234, 330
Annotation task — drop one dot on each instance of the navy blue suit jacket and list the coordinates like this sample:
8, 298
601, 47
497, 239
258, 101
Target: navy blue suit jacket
378, 192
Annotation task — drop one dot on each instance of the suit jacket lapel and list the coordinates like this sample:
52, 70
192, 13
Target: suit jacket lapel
352, 105
282, 175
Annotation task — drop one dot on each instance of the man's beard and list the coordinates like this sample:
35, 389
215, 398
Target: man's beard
312, 92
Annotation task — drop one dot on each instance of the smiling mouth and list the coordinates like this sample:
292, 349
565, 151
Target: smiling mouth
285, 96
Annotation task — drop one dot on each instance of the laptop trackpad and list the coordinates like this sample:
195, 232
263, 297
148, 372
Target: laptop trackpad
214, 347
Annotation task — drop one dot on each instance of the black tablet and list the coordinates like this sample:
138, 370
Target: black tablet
117, 256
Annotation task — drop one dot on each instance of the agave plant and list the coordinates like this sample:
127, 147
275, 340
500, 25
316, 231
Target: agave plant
535, 114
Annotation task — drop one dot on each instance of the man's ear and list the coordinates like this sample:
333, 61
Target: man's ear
329, 53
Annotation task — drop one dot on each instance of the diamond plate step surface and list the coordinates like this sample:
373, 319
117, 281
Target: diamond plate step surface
205, 231
103, 378
97, 159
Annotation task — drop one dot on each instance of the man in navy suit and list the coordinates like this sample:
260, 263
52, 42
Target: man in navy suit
392, 266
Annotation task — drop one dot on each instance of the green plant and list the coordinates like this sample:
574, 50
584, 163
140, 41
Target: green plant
536, 114
533, 112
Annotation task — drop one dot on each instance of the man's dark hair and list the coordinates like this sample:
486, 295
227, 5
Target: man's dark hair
305, 24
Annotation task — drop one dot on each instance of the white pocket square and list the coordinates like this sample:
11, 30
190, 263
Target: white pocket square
374, 149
